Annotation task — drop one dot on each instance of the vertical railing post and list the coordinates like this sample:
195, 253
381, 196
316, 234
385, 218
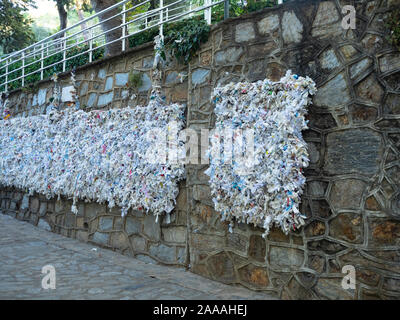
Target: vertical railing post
41, 62
207, 12
6, 86
161, 18
64, 51
226, 9
123, 26
23, 68
91, 45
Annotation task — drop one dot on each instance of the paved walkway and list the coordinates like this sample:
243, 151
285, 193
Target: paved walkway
85, 272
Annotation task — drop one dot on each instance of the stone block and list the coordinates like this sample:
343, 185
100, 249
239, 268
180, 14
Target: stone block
329, 60
92, 100
389, 62
347, 193
392, 104
325, 246
43, 224
385, 232
353, 151
34, 205
105, 223
327, 22
331, 288
292, 28
102, 74
174, 234
334, 93
121, 79
146, 83
244, 32
42, 209
42, 96
369, 90
360, 67
228, 55
84, 88
25, 202
105, 99
315, 228
285, 257
93, 209
82, 235
163, 252
257, 247
119, 240
201, 192
66, 94
221, 268
151, 228
199, 76
347, 227
133, 225
101, 238
70, 220
363, 114
138, 243
254, 276
268, 24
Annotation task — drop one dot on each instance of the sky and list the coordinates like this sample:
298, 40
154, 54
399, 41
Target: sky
45, 14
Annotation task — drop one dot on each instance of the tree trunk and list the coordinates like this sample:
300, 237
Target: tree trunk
83, 25
99, 5
62, 13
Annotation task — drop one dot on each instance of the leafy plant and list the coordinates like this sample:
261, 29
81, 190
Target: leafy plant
184, 38
32, 66
135, 79
393, 23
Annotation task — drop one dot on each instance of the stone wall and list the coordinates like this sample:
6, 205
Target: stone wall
352, 197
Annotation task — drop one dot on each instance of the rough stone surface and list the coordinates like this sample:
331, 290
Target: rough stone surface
351, 195
199, 76
292, 28
285, 257
353, 151
244, 32
335, 92
347, 193
101, 274
268, 24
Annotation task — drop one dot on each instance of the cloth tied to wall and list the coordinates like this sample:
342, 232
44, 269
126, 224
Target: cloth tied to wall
261, 186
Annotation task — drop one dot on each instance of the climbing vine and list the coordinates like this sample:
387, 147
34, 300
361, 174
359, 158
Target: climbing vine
393, 23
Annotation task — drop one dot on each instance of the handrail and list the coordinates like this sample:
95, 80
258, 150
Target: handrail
61, 32
61, 42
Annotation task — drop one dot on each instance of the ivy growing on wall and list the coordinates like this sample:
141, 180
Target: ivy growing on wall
393, 23
182, 38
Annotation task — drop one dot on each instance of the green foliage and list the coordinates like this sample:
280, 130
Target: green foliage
393, 23
182, 38
185, 37
143, 37
32, 66
15, 28
237, 8
189, 33
135, 79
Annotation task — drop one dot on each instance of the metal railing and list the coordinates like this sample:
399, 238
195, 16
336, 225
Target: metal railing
19, 65
89, 35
